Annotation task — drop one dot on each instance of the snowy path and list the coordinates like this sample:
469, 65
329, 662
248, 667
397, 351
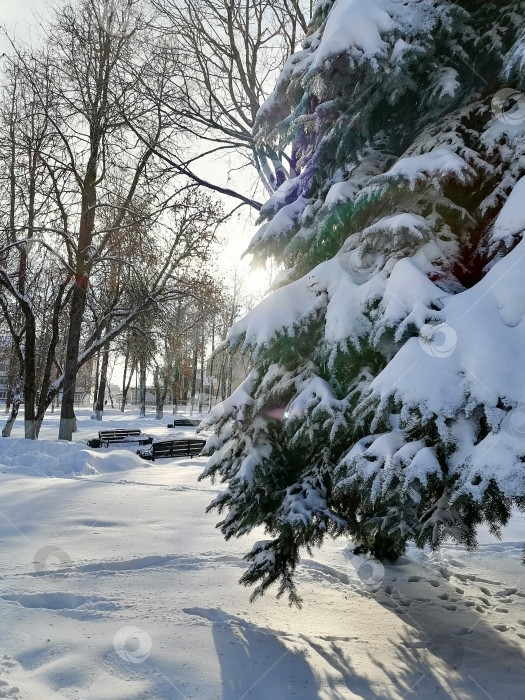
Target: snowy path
140, 599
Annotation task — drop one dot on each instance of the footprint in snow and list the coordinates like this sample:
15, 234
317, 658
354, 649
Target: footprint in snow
466, 577
462, 632
507, 592
444, 572
6, 690
501, 628
456, 563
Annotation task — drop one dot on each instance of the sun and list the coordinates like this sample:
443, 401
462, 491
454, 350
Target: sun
256, 282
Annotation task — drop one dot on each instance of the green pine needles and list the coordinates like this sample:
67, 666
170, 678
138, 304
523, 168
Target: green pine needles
371, 410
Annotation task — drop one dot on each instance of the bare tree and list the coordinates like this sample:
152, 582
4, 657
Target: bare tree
230, 54
94, 98
29, 291
125, 347
94, 125
160, 381
101, 389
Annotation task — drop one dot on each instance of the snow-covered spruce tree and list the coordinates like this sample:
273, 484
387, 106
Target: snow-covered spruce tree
388, 381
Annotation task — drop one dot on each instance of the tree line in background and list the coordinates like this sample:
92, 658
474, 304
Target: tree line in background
107, 225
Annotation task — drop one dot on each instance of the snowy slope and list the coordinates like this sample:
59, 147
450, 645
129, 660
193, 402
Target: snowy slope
115, 584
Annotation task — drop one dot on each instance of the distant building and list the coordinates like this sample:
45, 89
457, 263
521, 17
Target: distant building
133, 396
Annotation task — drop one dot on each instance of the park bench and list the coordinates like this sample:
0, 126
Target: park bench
185, 422
191, 447
120, 435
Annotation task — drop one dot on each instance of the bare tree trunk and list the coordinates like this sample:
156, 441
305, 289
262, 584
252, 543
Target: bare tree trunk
210, 389
201, 390
97, 375
124, 390
193, 376
51, 350
17, 397
8, 398
12, 222
230, 376
29, 379
83, 267
175, 398
219, 382
161, 390
110, 395
67, 413
158, 394
79, 295
99, 409
30, 323
142, 381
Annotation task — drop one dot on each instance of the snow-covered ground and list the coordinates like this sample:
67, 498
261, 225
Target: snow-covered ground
116, 584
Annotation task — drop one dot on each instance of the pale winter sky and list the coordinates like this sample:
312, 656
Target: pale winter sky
18, 16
